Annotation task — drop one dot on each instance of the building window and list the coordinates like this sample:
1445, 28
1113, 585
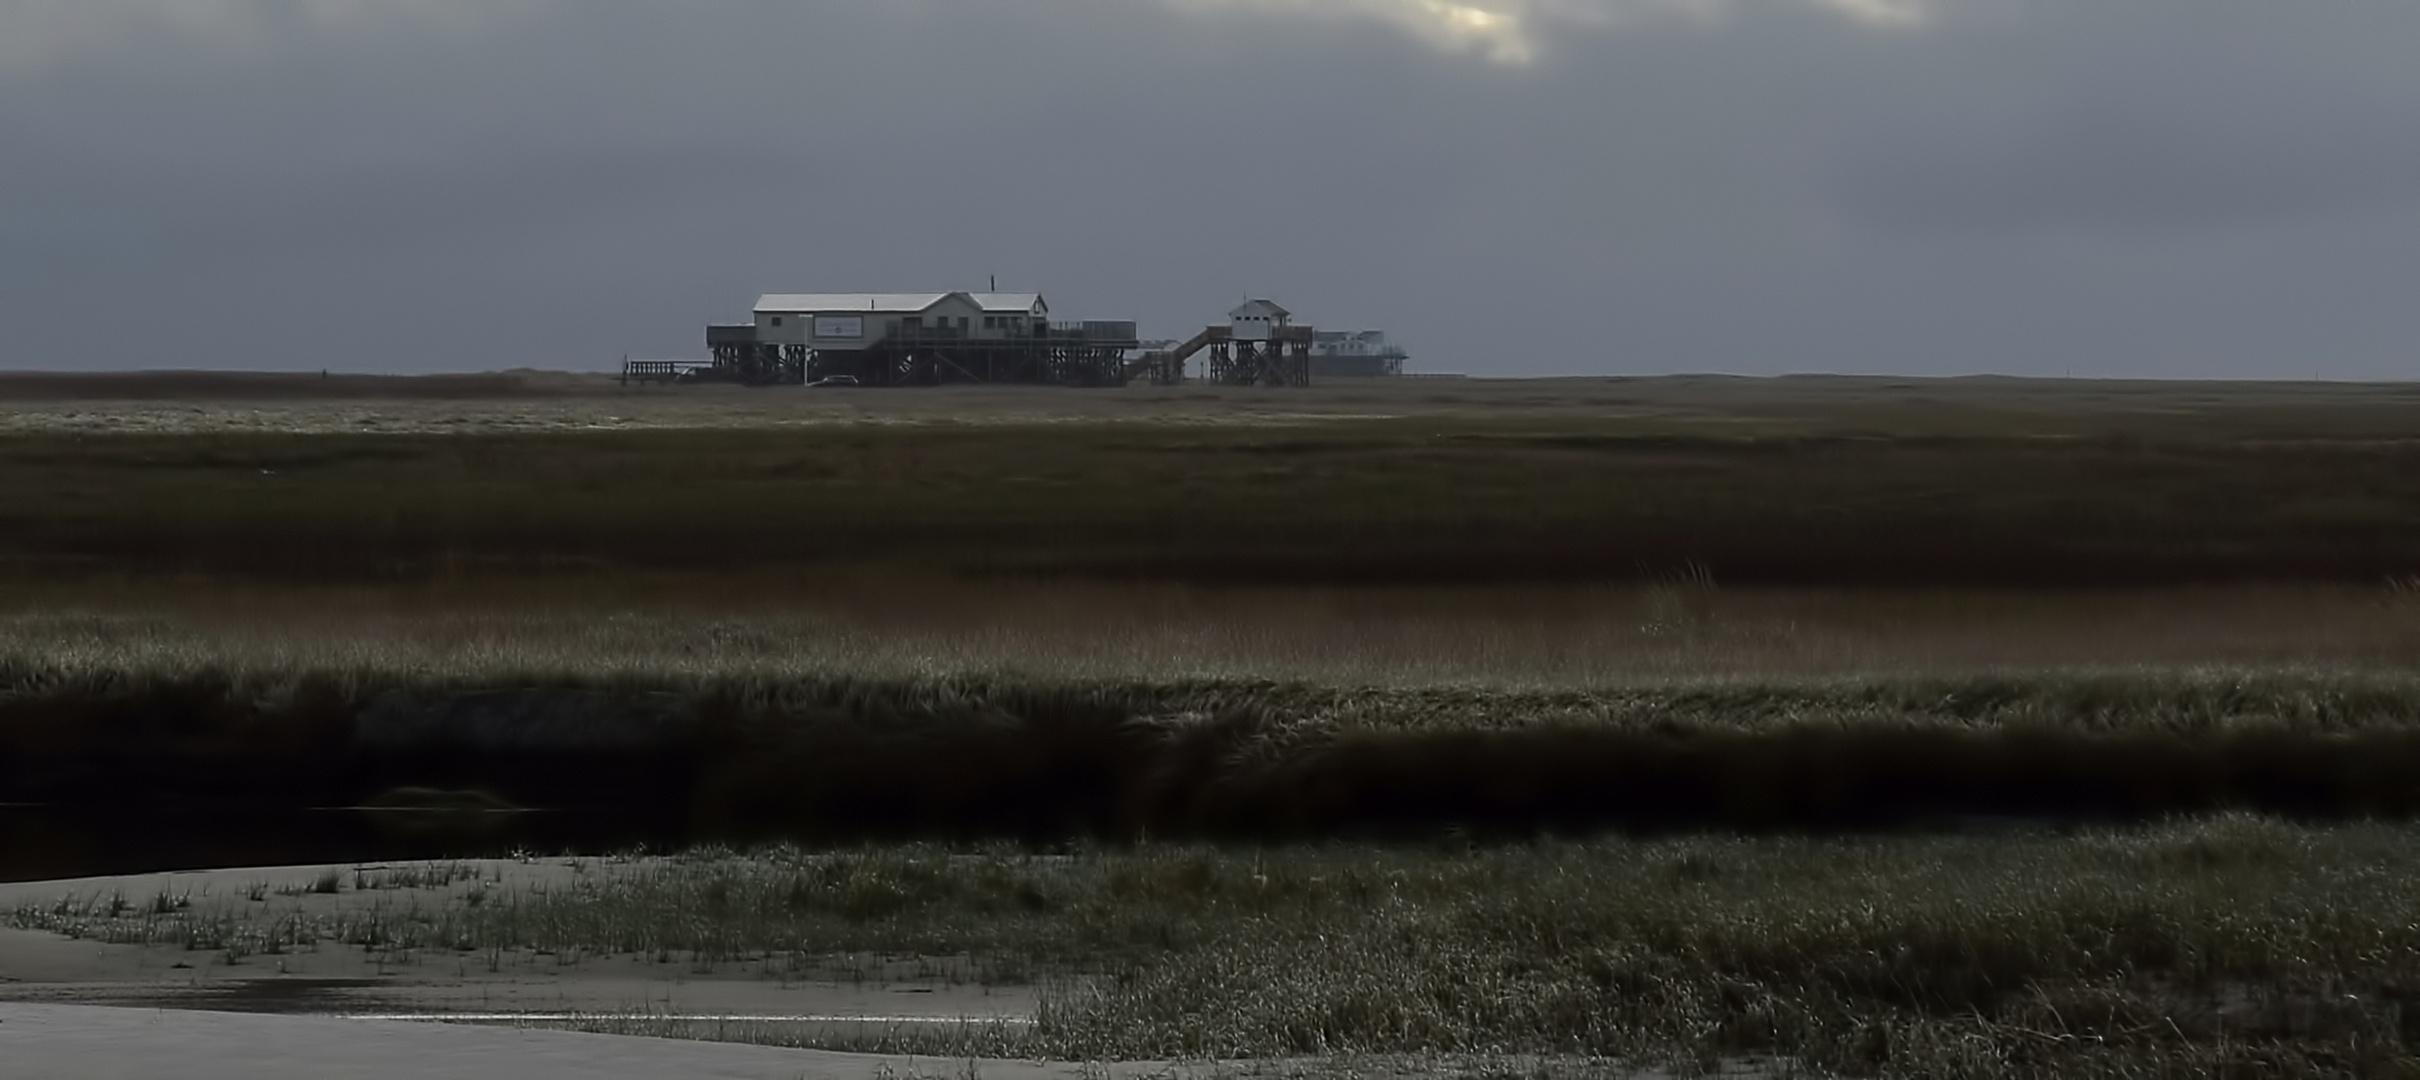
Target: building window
777, 320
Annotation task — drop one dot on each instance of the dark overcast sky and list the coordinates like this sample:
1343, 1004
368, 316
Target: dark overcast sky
2176, 188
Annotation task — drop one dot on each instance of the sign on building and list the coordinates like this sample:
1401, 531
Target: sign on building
840, 326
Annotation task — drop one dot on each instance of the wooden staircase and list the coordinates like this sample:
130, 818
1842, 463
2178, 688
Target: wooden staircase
1168, 368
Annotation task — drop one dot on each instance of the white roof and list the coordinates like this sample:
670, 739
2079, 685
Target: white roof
1007, 301
1259, 307
846, 302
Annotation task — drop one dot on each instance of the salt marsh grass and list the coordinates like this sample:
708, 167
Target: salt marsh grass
1935, 730
1903, 494
1007, 716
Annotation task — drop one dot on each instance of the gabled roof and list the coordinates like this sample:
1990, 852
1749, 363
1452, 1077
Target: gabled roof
895, 303
1020, 302
844, 302
1259, 308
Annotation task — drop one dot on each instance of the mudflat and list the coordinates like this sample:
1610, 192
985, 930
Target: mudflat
860, 995
62, 1042
52, 1042
72, 1008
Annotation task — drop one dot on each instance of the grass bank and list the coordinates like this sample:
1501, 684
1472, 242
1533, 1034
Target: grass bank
2232, 945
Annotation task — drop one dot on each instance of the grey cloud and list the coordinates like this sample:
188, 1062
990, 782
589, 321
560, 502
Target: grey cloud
2111, 166
38, 34
382, 210
1780, 189
2164, 118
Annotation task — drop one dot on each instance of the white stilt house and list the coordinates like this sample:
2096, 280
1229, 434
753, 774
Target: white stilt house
1257, 320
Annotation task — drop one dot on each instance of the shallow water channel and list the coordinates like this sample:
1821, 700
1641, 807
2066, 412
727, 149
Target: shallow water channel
42, 842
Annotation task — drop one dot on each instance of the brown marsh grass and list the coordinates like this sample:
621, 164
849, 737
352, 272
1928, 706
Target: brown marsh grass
1392, 502
892, 626
984, 720
832, 708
